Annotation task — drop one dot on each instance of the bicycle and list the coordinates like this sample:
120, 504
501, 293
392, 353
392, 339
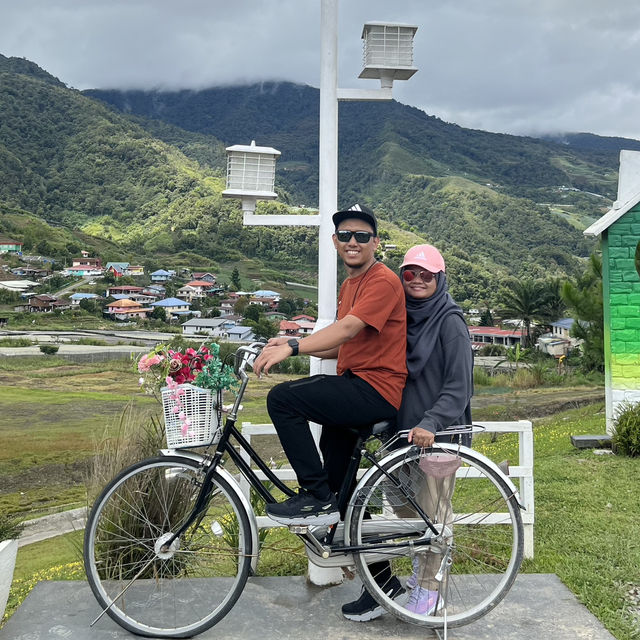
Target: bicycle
171, 541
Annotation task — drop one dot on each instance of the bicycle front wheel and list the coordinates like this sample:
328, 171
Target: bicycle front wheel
151, 590
471, 560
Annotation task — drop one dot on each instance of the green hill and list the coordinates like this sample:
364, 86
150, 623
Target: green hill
143, 176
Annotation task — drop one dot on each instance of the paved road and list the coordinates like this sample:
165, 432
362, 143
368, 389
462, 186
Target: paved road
53, 525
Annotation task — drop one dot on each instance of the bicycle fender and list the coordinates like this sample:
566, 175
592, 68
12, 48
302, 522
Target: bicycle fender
235, 487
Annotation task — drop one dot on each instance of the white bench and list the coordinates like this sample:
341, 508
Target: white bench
522, 471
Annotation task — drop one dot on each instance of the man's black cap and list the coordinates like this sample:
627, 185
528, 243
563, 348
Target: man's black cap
358, 211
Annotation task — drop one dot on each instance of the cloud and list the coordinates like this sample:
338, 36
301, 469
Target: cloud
502, 65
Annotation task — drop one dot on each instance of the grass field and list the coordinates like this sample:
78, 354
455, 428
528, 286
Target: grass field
587, 509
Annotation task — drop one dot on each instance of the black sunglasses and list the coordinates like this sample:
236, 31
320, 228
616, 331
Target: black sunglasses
362, 237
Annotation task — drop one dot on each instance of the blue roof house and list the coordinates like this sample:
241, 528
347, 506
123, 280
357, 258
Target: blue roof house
161, 276
173, 307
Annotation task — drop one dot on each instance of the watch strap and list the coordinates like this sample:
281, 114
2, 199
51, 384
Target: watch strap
294, 344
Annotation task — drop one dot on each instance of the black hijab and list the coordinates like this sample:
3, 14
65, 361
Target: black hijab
424, 319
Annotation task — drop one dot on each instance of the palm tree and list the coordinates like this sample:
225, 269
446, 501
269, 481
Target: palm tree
554, 306
525, 300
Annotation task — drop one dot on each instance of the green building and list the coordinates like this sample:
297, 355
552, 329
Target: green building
9, 246
619, 231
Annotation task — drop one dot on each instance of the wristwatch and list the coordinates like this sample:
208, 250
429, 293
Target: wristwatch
293, 343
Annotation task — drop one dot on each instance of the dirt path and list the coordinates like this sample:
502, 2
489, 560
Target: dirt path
536, 403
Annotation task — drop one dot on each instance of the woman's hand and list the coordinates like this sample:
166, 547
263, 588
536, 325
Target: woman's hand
421, 437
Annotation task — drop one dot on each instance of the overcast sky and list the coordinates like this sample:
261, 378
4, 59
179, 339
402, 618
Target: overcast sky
514, 66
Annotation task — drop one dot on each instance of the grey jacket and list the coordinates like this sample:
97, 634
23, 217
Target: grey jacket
441, 395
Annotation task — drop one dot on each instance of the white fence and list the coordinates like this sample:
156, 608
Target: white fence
523, 471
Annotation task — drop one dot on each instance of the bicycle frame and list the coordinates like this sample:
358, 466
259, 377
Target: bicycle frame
324, 546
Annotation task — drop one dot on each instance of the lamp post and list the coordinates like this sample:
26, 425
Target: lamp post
388, 55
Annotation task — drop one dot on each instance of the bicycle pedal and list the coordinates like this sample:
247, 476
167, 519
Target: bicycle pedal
299, 528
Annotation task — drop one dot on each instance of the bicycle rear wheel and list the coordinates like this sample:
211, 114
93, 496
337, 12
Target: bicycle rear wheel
478, 547
175, 593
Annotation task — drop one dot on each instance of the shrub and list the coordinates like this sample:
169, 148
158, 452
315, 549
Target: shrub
481, 378
524, 379
10, 527
626, 430
49, 349
492, 350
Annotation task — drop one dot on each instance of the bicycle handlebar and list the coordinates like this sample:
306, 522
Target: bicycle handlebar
245, 357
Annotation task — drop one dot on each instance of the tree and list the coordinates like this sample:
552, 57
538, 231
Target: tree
523, 299
263, 329
240, 305
584, 301
253, 312
235, 279
159, 313
486, 319
554, 306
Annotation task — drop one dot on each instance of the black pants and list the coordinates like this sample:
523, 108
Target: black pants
339, 404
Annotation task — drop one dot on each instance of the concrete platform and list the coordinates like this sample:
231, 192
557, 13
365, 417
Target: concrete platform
538, 607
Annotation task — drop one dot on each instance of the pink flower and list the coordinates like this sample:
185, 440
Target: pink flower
147, 361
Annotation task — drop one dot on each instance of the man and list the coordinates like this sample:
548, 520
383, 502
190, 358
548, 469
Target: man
369, 339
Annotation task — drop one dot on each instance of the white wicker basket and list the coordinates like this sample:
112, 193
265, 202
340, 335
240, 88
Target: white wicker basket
199, 406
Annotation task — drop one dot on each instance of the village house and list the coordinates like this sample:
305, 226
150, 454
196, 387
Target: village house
123, 289
134, 270
204, 275
45, 303
155, 290
239, 333
82, 271
7, 245
77, 298
120, 269
142, 298
173, 307
162, 276
18, 286
126, 310
265, 303
217, 327
194, 290
227, 307
31, 272
481, 336
85, 261
297, 328
275, 316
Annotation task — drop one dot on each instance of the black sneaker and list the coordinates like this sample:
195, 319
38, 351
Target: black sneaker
366, 608
305, 508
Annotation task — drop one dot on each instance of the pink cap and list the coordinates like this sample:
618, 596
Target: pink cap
425, 256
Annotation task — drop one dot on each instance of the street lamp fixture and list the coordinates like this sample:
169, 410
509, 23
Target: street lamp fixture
388, 52
251, 173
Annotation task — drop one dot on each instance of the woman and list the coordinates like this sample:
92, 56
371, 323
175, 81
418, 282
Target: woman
437, 394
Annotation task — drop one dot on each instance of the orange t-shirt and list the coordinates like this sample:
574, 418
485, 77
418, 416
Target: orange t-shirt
378, 353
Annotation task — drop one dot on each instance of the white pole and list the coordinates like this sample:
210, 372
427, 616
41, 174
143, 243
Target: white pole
328, 161
328, 204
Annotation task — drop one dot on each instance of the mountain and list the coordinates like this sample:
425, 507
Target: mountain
379, 141
145, 170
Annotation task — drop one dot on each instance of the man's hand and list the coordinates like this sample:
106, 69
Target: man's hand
421, 437
270, 355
